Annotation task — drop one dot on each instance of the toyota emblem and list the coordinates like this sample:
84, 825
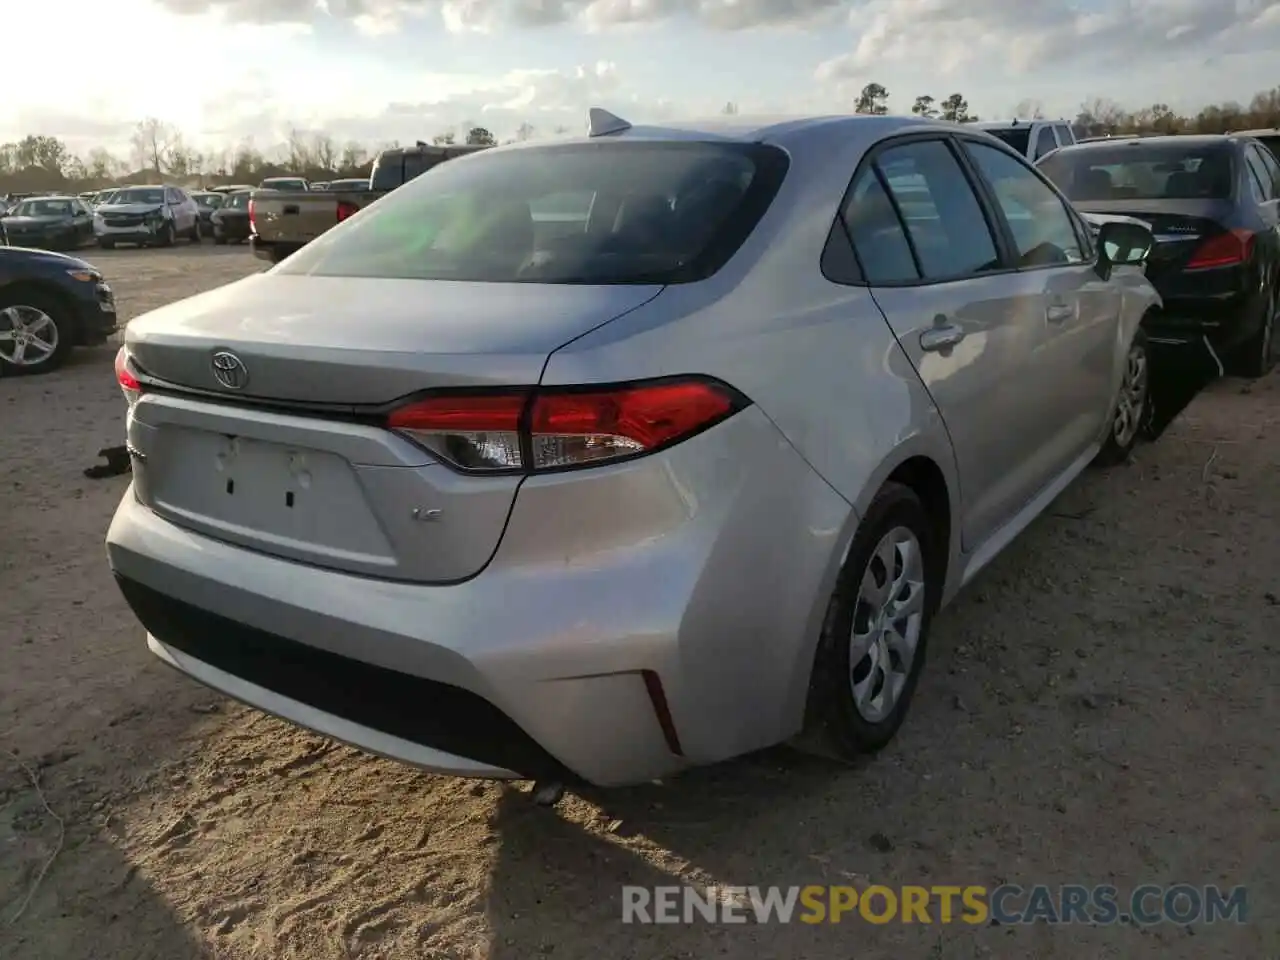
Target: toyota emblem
229, 370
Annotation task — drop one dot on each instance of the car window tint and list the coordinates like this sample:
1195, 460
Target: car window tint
943, 217
1273, 167
662, 212
878, 235
1253, 157
1042, 229
1045, 142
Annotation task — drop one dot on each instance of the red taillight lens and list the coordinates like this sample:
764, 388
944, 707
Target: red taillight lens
558, 428
346, 209
1225, 250
129, 384
252, 221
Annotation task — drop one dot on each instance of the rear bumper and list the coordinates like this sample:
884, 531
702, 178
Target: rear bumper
704, 568
1224, 320
273, 251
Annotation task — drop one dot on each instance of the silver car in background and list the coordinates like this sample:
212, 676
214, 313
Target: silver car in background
504, 492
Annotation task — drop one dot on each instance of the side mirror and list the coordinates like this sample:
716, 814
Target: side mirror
1125, 244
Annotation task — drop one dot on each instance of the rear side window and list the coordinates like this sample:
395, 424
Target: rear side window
1045, 142
1258, 169
590, 213
1064, 134
1042, 228
944, 221
1273, 167
878, 235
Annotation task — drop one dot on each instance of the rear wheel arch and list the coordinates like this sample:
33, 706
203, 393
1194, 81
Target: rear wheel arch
923, 476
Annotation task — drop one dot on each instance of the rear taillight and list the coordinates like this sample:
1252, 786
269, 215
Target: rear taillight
252, 221
1225, 250
558, 428
129, 384
346, 209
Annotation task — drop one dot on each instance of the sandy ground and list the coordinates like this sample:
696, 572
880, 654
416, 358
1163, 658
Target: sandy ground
1100, 707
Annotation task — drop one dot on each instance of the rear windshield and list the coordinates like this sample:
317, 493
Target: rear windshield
237, 201
1133, 170
284, 184
598, 213
1017, 137
398, 169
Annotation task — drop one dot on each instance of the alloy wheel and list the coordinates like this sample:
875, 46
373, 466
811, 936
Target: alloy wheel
887, 620
28, 336
1133, 396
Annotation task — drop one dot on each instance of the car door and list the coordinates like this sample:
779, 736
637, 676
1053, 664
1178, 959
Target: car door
1076, 357
940, 272
83, 220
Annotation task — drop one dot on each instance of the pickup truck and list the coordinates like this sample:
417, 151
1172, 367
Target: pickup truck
1031, 138
284, 221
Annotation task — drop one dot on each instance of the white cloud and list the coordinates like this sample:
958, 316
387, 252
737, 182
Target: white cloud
1018, 38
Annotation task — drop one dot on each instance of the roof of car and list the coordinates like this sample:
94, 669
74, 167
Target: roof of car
1178, 139
51, 196
1001, 124
1260, 132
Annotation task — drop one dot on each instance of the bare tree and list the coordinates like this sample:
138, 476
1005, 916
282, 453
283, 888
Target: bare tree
152, 140
525, 131
730, 109
297, 151
444, 139
1029, 110
354, 155
324, 152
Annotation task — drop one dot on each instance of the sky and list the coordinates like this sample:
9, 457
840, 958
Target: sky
384, 70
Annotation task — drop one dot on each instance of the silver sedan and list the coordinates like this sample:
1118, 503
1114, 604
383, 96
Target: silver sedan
594, 460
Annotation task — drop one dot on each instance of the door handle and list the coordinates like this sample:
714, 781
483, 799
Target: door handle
1059, 312
941, 336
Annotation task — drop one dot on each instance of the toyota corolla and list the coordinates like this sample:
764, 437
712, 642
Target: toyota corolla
593, 460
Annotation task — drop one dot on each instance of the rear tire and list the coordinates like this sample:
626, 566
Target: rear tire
1256, 357
876, 632
194, 235
106, 244
1132, 409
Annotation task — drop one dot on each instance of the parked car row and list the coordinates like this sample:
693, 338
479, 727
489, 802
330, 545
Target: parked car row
600, 459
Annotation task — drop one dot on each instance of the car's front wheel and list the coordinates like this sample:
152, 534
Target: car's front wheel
35, 333
877, 626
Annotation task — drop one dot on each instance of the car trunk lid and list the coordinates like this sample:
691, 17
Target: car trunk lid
1179, 226
296, 462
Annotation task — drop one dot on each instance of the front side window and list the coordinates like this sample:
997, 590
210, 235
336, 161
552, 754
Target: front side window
944, 221
582, 213
1043, 231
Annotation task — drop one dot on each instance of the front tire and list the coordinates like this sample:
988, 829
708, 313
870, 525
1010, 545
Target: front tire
168, 236
36, 333
876, 631
1132, 408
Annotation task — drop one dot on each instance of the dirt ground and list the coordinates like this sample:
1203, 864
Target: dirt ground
1100, 707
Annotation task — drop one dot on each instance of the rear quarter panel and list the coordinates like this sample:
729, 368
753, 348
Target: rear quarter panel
821, 364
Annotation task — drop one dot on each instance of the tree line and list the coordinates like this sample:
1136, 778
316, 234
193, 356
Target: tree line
158, 150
